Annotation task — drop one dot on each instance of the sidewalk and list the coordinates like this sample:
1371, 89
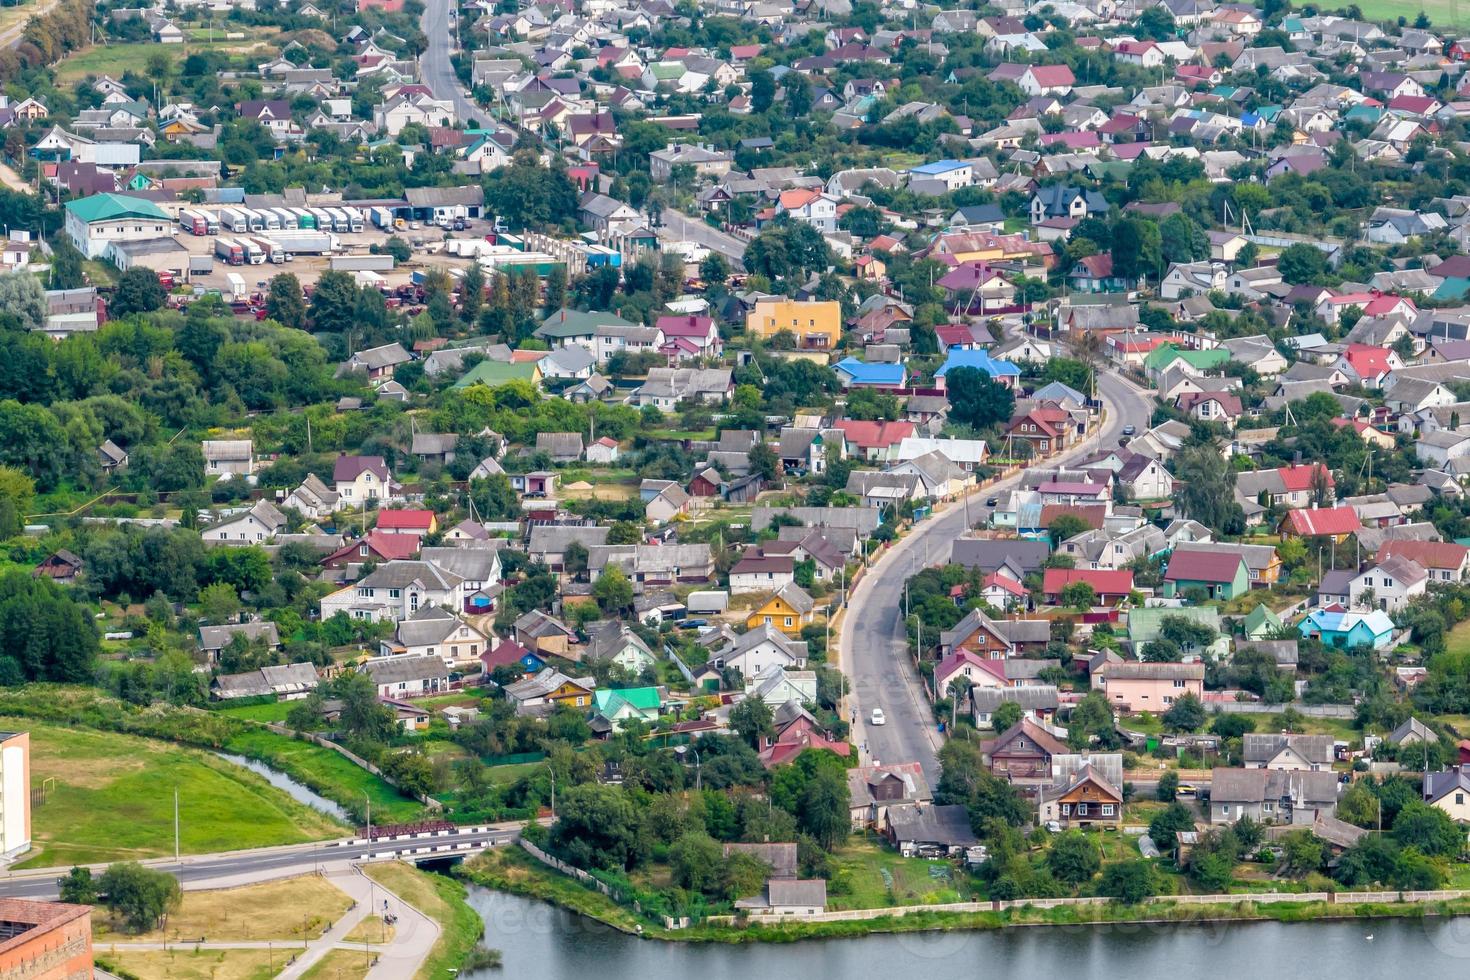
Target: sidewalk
413, 937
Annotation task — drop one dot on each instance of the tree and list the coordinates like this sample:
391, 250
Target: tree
556, 287
284, 303
1208, 494
363, 717
697, 862
1186, 714
1183, 240
1129, 882
598, 827
613, 591
714, 269
825, 812
976, 399
1168, 786
78, 887
752, 720
334, 302
1006, 715
140, 896
1174, 818
1233, 726
1301, 264
764, 462
1162, 650
1079, 595
138, 291
1073, 858
1429, 830
22, 296
762, 90
1137, 248
1359, 806
1065, 526
398, 248
1302, 853
219, 602
66, 266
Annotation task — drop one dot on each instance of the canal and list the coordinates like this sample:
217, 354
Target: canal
542, 942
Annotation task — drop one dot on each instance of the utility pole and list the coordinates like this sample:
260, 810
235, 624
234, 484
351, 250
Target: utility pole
176, 825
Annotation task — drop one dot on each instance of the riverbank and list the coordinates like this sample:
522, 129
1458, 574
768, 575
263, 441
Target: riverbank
511, 870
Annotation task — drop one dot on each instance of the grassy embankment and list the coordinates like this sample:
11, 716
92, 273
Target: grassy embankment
110, 797
441, 899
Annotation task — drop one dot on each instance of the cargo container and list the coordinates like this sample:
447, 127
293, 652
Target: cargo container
382, 218
229, 251
193, 222
354, 219
237, 285
305, 220
306, 242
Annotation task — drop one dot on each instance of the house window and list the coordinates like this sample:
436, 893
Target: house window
1081, 809
788, 620
1178, 683
1066, 809
394, 593
1267, 807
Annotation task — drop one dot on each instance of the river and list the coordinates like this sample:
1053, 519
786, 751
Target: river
295, 790
542, 942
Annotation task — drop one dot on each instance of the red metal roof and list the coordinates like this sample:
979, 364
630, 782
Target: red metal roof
1103, 581
1202, 566
1323, 520
412, 520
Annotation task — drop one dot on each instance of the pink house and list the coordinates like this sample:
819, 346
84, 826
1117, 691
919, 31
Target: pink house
684, 337
1134, 687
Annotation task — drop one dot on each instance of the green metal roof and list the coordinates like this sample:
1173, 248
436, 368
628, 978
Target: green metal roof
576, 323
107, 207
642, 698
1198, 359
494, 373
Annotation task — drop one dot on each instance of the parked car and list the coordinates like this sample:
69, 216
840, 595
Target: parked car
878, 718
1129, 430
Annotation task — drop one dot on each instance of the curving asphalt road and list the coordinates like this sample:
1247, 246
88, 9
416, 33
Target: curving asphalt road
435, 67
872, 635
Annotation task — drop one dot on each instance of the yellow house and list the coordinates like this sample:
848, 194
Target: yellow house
787, 610
816, 325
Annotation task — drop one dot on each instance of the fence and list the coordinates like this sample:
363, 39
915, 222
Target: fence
570, 871
1303, 898
1339, 711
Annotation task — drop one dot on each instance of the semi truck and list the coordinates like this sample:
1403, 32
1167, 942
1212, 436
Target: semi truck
235, 219
274, 252
339, 220
193, 222
287, 217
354, 219
306, 242
254, 254
305, 220
382, 218
229, 251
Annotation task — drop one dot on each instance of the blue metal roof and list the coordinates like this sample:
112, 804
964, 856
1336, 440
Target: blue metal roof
979, 359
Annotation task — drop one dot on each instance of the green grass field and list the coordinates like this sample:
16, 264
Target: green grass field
441, 899
275, 711
115, 59
110, 797
1442, 13
863, 884
346, 782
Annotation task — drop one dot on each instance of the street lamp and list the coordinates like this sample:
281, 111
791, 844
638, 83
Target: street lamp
683, 750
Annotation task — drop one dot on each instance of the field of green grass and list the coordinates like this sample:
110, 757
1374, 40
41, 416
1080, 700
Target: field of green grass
348, 782
116, 59
1442, 13
111, 797
862, 882
275, 711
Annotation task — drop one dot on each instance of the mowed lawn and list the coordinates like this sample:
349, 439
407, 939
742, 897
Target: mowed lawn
110, 797
1442, 13
116, 59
